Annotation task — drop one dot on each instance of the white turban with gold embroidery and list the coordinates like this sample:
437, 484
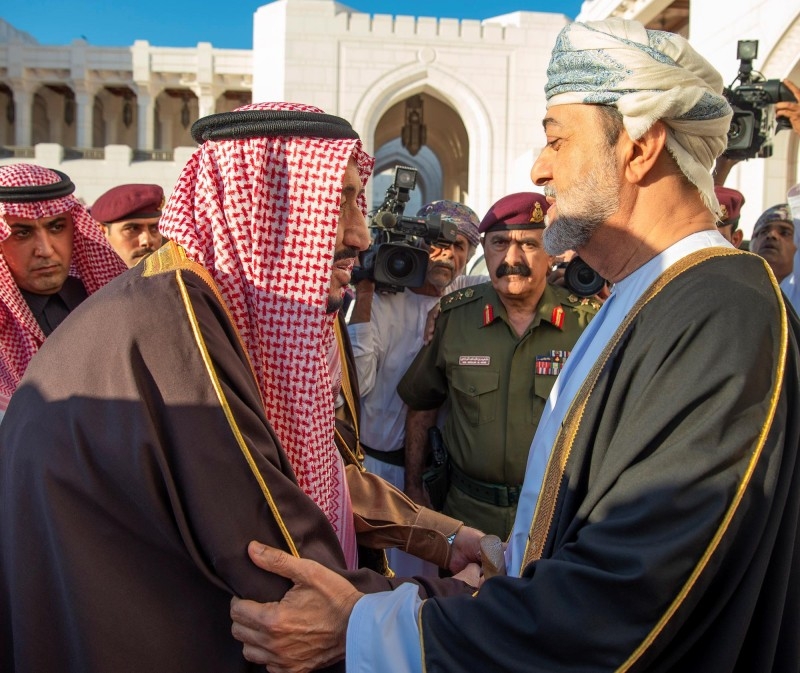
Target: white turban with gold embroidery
647, 75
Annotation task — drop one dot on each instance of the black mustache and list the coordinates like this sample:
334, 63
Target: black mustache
515, 270
345, 253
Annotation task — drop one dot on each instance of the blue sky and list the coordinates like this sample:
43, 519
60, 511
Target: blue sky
179, 23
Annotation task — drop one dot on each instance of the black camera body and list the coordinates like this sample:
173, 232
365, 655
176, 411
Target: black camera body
398, 256
753, 125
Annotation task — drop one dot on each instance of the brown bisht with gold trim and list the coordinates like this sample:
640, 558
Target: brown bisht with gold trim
136, 464
666, 536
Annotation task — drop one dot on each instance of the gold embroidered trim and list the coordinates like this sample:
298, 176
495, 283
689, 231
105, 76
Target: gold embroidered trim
227, 410
737, 499
358, 457
562, 447
353, 459
421, 637
556, 466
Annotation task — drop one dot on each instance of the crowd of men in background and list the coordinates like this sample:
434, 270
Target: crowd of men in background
482, 383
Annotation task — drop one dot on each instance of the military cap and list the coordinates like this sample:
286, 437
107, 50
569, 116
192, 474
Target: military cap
462, 216
730, 205
523, 210
779, 213
128, 202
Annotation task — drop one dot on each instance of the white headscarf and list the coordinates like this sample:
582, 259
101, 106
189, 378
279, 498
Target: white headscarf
648, 75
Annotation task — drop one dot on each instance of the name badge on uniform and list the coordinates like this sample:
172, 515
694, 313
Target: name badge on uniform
552, 363
475, 360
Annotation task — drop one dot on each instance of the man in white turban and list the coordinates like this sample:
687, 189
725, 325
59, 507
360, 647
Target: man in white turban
657, 528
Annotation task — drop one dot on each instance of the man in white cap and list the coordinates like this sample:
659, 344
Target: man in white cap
773, 239
657, 528
790, 284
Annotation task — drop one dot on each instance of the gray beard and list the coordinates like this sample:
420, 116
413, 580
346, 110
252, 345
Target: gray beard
568, 233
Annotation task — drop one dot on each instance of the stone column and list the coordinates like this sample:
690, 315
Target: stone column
84, 103
145, 97
146, 129
23, 102
206, 101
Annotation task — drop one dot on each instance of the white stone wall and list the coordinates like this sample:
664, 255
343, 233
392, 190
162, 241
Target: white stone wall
358, 65
92, 177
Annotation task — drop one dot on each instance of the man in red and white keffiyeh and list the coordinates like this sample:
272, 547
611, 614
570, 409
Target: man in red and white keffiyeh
262, 214
36, 202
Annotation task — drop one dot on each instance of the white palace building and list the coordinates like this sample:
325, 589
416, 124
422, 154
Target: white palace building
461, 100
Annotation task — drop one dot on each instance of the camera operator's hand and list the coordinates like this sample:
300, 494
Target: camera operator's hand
362, 309
722, 167
790, 111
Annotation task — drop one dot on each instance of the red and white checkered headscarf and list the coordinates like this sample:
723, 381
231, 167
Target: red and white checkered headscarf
261, 214
94, 262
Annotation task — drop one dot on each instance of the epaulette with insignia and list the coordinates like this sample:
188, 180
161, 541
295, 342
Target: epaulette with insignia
461, 297
588, 304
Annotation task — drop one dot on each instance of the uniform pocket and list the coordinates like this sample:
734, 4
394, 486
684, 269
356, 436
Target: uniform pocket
542, 385
476, 392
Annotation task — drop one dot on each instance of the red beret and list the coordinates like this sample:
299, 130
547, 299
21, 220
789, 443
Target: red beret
523, 210
128, 202
730, 205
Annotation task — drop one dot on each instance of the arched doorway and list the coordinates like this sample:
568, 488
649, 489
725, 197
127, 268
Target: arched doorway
175, 112
53, 115
423, 132
114, 118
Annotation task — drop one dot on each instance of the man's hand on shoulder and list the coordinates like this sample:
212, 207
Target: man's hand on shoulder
307, 629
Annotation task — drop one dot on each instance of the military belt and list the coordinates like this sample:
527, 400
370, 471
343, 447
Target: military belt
499, 495
396, 457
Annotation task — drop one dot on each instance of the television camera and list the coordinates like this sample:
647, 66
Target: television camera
398, 256
754, 123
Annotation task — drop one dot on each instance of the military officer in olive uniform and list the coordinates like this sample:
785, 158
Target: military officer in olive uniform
495, 355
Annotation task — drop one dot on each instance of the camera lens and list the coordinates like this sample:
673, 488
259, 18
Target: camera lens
582, 279
735, 130
400, 264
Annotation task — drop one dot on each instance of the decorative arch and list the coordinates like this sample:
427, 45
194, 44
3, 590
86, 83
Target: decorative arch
429, 177
448, 87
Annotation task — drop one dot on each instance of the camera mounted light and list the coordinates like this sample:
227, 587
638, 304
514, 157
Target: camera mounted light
405, 178
747, 50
